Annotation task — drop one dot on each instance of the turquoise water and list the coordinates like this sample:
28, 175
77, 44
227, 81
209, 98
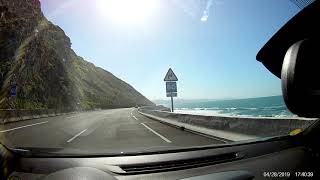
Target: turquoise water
273, 106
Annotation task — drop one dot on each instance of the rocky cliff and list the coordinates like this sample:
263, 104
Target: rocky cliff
36, 55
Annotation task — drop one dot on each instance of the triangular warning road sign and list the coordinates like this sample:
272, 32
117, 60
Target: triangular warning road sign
170, 76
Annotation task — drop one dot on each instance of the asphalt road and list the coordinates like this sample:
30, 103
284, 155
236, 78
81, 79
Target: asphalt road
105, 131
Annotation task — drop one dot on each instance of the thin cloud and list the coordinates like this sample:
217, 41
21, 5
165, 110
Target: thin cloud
205, 14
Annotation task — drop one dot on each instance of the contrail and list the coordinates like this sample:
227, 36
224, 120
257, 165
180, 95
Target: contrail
205, 14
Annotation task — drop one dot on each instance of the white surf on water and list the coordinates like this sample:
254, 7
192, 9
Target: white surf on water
272, 106
211, 112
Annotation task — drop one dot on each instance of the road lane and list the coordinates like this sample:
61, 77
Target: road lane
116, 130
77, 135
53, 134
156, 133
179, 137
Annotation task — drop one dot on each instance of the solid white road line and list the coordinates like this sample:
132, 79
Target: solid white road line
23, 126
135, 118
77, 135
162, 137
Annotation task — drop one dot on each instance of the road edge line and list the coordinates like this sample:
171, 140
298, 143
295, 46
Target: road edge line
156, 133
29, 125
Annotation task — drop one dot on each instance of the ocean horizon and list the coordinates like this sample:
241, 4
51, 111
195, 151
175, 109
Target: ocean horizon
272, 106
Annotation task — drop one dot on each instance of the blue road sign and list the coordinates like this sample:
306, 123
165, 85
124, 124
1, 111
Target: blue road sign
171, 87
13, 90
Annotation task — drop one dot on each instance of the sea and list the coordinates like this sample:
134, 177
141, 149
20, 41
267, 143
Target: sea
272, 106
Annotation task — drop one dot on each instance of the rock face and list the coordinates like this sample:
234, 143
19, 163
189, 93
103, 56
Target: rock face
37, 56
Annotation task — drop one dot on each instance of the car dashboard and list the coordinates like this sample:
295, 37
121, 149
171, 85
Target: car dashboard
274, 158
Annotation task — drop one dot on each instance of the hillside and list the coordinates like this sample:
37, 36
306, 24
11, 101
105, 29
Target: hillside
37, 56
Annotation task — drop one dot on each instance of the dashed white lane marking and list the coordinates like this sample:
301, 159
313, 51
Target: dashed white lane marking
133, 110
135, 118
73, 116
23, 126
77, 135
162, 137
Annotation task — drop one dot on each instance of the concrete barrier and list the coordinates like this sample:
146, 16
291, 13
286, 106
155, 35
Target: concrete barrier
14, 115
157, 108
229, 127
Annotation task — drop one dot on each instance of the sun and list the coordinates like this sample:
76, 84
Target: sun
127, 11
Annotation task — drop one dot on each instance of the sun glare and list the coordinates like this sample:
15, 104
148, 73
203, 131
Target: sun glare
127, 11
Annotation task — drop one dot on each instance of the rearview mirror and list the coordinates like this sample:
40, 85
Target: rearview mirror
300, 76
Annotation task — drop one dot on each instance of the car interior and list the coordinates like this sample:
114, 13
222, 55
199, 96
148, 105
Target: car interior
291, 55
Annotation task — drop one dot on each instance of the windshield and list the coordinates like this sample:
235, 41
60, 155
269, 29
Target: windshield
129, 76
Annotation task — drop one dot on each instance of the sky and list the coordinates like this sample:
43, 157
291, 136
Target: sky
211, 45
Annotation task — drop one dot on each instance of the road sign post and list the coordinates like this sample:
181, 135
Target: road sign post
172, 104
171, 86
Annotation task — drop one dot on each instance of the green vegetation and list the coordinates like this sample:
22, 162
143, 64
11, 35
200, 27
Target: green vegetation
26, 104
